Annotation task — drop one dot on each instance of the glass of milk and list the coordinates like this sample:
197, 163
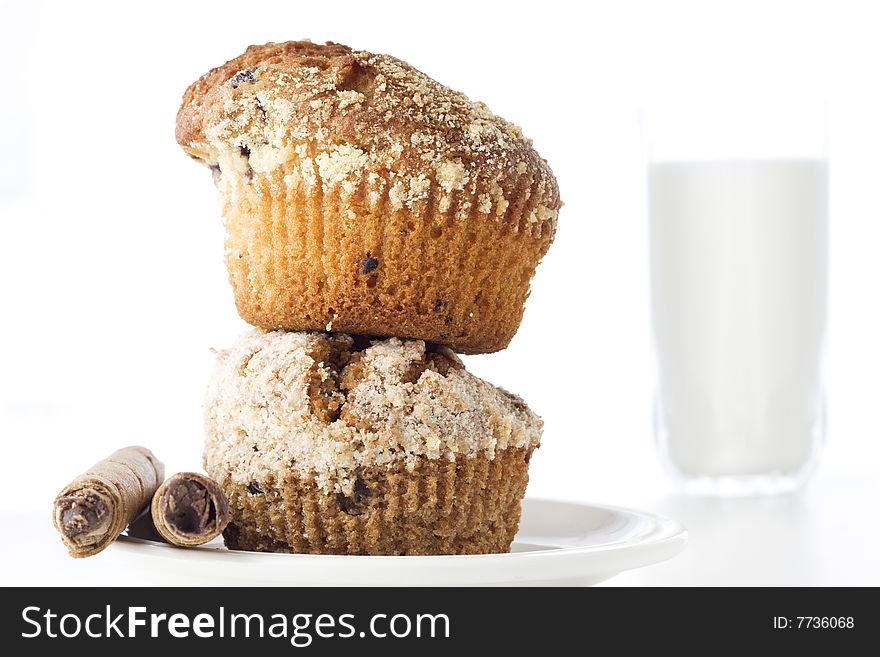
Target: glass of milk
738, 206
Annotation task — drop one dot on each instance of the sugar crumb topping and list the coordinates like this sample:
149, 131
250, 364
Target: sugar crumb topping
333, 116
325, 406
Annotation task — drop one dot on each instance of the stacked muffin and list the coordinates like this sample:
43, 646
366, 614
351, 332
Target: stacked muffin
377, 222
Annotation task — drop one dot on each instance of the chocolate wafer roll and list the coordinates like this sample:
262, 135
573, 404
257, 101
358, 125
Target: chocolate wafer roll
190, 509
93, 510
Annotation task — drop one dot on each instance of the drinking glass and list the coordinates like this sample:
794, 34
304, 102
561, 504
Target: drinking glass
738, 215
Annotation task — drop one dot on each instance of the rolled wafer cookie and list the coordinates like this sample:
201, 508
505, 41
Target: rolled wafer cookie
190, 509
93, 509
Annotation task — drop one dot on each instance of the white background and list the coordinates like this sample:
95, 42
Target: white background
114, 288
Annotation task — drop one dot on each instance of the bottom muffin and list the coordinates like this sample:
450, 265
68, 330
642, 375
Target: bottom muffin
328, 444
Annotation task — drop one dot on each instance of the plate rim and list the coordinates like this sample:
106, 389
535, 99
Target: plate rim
671, 538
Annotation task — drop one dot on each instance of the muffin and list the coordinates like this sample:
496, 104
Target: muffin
327, 444
361, 196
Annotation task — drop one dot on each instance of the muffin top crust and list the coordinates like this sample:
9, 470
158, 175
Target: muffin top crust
326, 405
367, 125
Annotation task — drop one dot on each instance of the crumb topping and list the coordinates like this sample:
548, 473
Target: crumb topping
326, 406
357, 121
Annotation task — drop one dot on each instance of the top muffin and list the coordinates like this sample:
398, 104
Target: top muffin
399, 190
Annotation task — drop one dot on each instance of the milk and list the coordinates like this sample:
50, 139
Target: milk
738, 278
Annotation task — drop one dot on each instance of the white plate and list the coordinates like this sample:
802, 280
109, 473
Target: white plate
558, 544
